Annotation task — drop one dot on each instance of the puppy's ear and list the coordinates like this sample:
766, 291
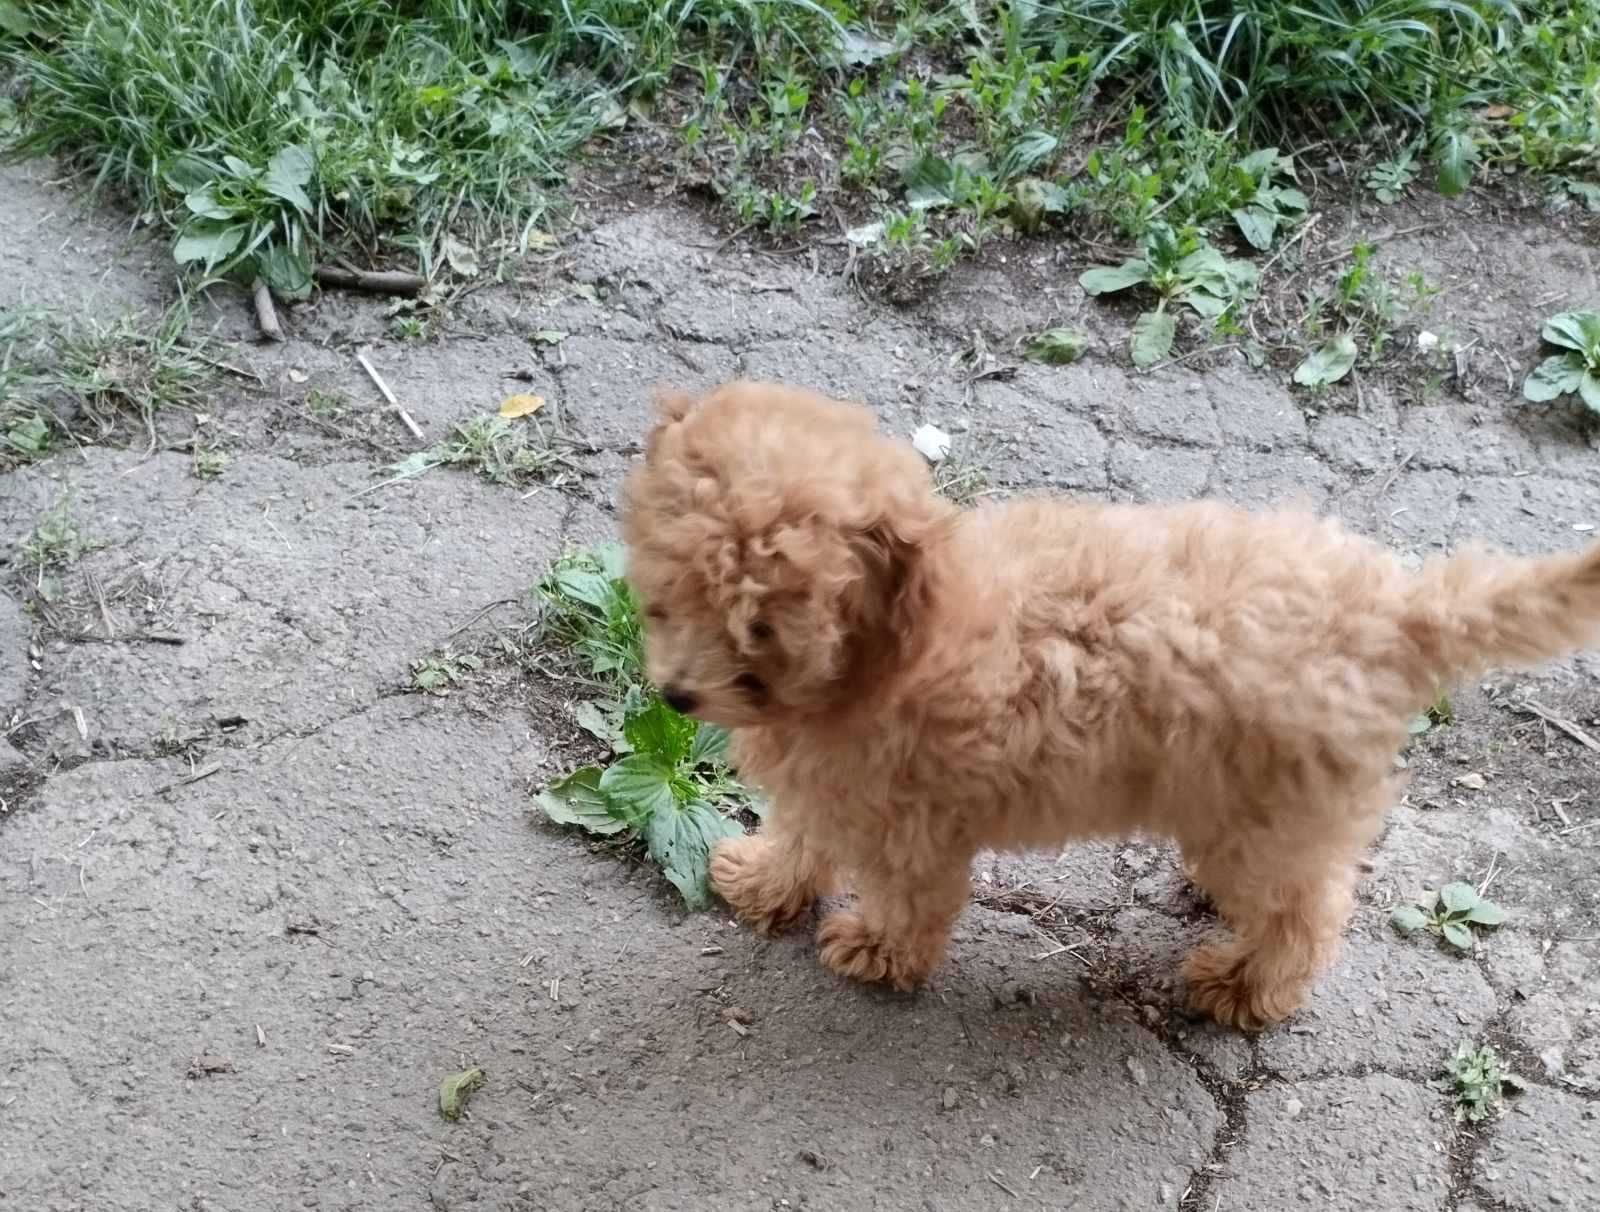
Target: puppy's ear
671, 407
889, 551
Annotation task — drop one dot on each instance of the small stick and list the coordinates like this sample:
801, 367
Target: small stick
373, 281
1566, 726
995, 1179
1394, 474
204, 772
377, 379
266, 314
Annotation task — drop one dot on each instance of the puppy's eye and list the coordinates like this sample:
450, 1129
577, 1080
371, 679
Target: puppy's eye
760, 631
751, 685
655, 614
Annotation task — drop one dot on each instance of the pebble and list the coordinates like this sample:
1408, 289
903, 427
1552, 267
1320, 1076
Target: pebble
951, 1098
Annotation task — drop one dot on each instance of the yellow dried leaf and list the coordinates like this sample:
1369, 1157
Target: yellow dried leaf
521, 405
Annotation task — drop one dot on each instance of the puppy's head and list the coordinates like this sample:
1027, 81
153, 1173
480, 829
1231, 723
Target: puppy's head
775, 541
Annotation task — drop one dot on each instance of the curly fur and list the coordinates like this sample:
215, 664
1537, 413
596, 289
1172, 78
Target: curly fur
911, 682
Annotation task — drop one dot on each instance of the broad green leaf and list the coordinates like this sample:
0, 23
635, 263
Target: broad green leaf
1486, 913
1291, 200
287, 272
929, 181
857, 48
15, 21
1555, 376
463, 257
590, 588
1328, 364
189, 173
578, 800
288, 173
1456, 153
680, 838
29, 436
659, 731
1030, 150
415, 463
1203, 262
1206, 303
613, 560
1419, 724
203, 202
1153, 334
1257, 225
244, 172
1408, 919
638, 787
207, 242
710, 745
1589, 391
1261, 162
1057, 346
1109, 279
594, 720
1457, 935
1575, 330
1458, 897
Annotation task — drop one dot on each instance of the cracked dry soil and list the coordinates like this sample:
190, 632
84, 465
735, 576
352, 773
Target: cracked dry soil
256, 901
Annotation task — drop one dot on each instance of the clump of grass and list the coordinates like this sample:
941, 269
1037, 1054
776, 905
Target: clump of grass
443, 671
666, 783
260, 134
57, 541
502, 451
1477, 1079
588, 609
1261, 66
121, 370
26, 429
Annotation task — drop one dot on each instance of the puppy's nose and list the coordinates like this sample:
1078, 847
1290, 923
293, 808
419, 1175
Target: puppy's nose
678, 699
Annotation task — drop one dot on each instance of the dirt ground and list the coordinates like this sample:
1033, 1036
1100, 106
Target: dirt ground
257, 899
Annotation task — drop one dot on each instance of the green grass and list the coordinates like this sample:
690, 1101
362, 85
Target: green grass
268, 137
86, 381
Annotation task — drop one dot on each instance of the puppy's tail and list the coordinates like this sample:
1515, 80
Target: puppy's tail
1480, 610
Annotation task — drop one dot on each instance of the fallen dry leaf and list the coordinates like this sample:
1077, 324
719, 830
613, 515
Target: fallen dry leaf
1492, 112
521, 405
456, 1089
296, 375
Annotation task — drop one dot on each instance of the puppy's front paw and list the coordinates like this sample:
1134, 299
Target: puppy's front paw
748, 873
1226, 986
848, 946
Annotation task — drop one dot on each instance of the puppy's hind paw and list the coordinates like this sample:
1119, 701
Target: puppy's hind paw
748, 873
848, 946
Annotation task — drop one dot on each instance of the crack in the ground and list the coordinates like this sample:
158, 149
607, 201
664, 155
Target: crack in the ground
1230, 1099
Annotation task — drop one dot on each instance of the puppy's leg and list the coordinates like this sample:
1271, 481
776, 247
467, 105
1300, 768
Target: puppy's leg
898, 931
769, 878
1287, 896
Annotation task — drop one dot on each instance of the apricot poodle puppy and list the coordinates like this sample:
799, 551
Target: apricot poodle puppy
911, 682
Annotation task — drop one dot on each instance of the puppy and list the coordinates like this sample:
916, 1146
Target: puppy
911, 683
